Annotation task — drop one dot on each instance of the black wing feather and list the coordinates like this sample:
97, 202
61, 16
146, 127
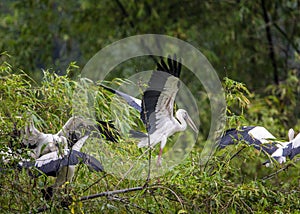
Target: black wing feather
73, 158
156, 86
233, 136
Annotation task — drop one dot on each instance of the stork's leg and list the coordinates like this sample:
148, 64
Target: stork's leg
162, 145
158, 163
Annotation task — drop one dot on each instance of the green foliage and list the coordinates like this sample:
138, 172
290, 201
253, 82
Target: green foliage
237, 101
50, 33
233, 180
44, 36
279, 109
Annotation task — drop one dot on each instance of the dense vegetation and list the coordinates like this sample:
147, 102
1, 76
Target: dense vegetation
255, 50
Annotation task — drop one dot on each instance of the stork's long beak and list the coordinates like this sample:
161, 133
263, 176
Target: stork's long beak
191, 123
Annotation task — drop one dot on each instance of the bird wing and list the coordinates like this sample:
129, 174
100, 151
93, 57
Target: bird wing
77, 127
158, 99
51, 163
132, 101
253, 135
261, 133
72, 125
32, 136
108, 130
77, 146
233, 136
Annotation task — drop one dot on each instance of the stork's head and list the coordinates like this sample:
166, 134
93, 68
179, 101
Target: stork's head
296, 141
30, 134
291, 134
181, 113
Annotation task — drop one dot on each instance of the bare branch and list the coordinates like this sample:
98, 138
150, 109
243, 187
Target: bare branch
110, 193
287, 37
280, 170
115, 198
270, 42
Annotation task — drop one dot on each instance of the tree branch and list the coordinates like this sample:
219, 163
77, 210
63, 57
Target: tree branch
109, 193
270, 42
124, 12
280, 170
287, 38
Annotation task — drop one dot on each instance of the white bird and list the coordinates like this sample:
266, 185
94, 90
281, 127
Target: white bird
157, 106
42, 143
74, 128
263, 140
61, 164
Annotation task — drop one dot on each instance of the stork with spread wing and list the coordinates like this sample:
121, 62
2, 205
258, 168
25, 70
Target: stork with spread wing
157, 106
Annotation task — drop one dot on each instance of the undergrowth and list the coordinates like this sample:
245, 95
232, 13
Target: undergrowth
232, 181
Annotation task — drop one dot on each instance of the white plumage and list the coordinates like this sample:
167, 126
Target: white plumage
263, 140
157, 106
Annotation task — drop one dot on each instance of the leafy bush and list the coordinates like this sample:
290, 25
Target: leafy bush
233, 180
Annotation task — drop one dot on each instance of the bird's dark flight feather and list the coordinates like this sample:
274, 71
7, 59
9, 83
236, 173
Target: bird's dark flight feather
156, 86
234, 136
73, 158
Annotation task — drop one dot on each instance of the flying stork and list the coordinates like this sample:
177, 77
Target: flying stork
157, 106
264, 141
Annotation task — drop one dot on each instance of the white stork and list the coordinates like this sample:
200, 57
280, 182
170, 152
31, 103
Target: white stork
74, 128
61, 164
263, 140
42, 143
157, 106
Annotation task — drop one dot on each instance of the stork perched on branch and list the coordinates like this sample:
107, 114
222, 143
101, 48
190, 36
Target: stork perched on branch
61, 164
75, 128
51, 151
42, 143
157, 106
264, 141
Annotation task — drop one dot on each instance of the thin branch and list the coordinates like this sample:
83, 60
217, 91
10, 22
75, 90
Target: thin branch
149, 144
109, 193
96, 182
270, 42
233, 156
287, 37
124, 12
173, 192
280, 170
131, 167
115, 198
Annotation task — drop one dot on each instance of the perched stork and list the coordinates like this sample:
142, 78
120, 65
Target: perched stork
75, 128
263, 140
61, 164
42, 143
157, 106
